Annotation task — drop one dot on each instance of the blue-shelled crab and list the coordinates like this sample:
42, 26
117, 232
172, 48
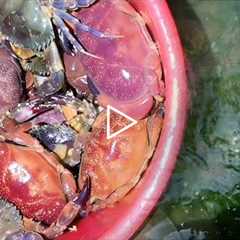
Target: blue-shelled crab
30, 28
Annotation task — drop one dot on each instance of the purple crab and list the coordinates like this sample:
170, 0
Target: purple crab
127, 74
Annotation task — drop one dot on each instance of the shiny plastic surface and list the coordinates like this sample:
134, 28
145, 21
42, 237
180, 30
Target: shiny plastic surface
125, 218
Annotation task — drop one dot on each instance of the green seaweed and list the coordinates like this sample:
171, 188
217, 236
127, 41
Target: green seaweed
203, 200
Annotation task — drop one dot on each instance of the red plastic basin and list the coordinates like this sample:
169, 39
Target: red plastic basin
124, 219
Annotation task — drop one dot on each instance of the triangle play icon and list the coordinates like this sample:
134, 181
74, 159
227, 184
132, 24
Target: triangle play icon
131, 120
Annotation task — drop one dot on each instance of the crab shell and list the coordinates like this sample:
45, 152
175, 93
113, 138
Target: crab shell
29, 182
127, 73
10, 77
115, 165
25, 25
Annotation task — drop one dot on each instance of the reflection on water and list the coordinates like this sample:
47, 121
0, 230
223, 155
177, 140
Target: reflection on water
203, 201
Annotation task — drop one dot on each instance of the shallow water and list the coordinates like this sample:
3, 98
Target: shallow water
203, 200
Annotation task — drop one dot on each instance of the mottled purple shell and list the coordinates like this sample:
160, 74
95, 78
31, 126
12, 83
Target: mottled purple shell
10, 86
128, 73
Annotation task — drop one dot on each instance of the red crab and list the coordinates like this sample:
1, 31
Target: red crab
116, 165
35, 181
127, 73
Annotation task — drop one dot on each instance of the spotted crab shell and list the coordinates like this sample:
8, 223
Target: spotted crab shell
115, 165
127, 73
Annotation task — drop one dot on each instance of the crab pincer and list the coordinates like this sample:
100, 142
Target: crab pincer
51, 79
68, 214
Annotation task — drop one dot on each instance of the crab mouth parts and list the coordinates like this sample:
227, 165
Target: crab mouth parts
37, 46
36, 65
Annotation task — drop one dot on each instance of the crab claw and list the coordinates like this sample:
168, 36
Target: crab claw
48, 72
69, 212
50, 85
28, 110
72, 5
84, 195
22, 235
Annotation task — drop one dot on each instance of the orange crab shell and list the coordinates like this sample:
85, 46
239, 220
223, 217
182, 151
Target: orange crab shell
115, 165
30, 176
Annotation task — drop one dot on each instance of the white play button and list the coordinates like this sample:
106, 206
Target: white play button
131, 122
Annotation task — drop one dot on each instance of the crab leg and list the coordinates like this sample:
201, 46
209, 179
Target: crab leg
81, 26
67, 215
68, 183
77, 47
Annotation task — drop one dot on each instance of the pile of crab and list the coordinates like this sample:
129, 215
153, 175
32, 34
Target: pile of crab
61, 63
